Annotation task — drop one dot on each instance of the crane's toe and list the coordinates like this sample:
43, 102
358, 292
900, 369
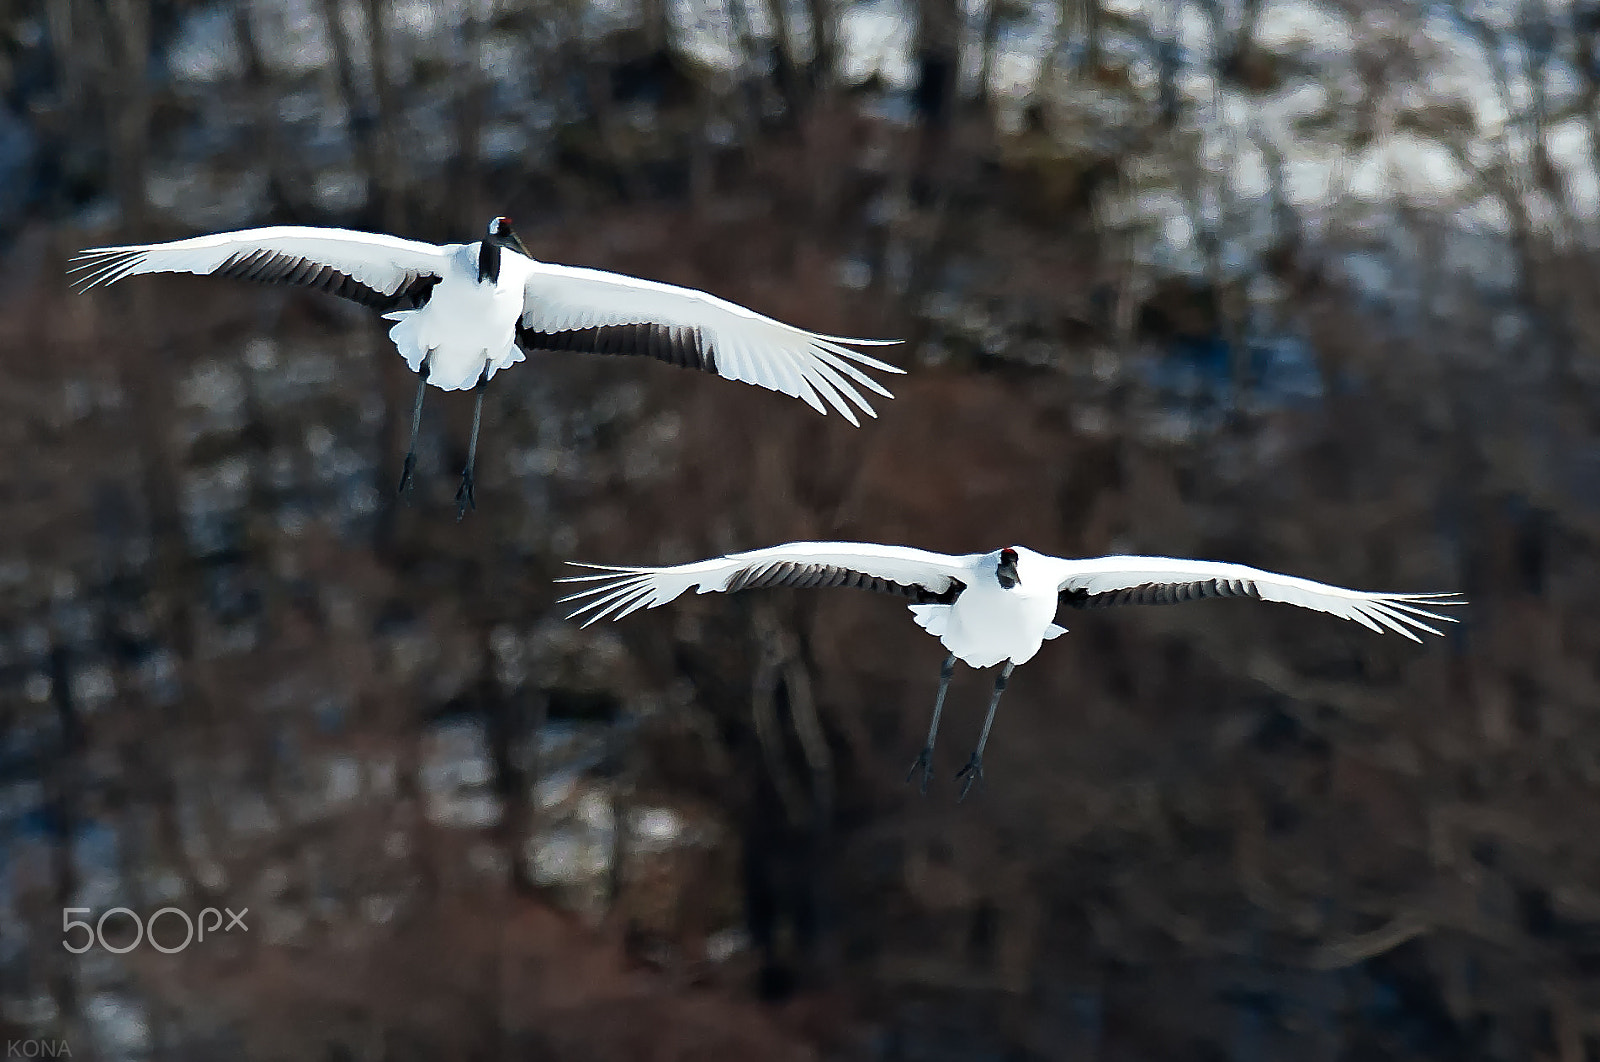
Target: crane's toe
972, 772
925, 765
464, 496
405, 472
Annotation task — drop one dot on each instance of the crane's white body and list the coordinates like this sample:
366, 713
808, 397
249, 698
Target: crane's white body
985, 622
468, 329
988, 624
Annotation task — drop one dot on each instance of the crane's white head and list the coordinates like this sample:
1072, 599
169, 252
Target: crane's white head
1005, 568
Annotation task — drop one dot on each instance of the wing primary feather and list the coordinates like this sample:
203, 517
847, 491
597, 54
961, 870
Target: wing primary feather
589, 618
591, 593
829, 384
1393, 621
789, 373
842, 387
600, 580
870, 362
1361, 617
860, 343
849, 370
740, 364
588, 599
808, 392
597, 608
1406, 622
1424, 613
612, 594
638, 602
730, 359
614, 604
103, 268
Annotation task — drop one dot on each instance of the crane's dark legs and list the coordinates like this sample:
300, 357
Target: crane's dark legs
974, 768
464, 498
925, 759
416, 425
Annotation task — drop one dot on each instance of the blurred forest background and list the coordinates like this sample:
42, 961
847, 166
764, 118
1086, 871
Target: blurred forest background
1307, 284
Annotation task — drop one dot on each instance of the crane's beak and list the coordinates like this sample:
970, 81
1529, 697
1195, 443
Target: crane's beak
515, 242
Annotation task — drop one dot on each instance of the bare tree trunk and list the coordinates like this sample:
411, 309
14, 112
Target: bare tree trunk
594, 72
1501, 173
749, 61
391, 179
1546, 177
990, 41
67, 50
785, 71
359, 131
657, 23
1557, 293
1587, 61
1049, 70
471, 104
505, 722
128, 23
65, 783
939, 61
1091, 34
282, 189
824, 65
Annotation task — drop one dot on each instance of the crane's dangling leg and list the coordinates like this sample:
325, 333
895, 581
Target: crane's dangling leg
925, 759
974, 768
464, 498
416, 424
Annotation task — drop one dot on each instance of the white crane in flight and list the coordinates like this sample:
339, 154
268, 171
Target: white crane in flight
992, 608
465, 311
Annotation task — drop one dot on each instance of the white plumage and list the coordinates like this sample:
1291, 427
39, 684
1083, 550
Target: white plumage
741, 344
463, 312
998, 607
381, 263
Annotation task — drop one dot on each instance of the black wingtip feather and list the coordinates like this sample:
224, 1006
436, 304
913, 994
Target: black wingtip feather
273, 267
1160, 593
794, 574
685, 347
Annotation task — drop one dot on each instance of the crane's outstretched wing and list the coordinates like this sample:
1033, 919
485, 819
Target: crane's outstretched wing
924, 577
385, 273
595, 312
1104, 581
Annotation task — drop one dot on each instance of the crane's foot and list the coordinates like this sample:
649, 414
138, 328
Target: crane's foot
464, 497
925, 765
973, 772
405, 472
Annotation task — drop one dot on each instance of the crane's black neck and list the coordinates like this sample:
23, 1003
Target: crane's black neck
489, 262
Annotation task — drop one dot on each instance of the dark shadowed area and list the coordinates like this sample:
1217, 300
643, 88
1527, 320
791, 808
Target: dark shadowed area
1305, 284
